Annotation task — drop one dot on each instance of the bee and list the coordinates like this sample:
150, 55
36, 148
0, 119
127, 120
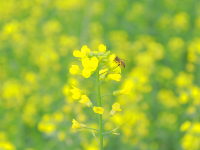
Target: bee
119, 61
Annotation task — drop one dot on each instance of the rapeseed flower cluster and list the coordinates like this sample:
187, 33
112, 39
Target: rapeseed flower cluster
91, 63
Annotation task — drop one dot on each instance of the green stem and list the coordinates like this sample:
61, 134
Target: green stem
107, 132
106, 119
107, 94
90, 93
100, 115
95, 136
91, 128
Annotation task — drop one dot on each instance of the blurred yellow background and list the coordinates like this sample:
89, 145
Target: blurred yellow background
160, 41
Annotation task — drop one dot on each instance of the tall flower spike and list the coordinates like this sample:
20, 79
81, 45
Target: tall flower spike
101, 62
76, 93
85, 100
115, 107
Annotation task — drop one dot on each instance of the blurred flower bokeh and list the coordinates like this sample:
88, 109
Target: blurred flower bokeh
160, 41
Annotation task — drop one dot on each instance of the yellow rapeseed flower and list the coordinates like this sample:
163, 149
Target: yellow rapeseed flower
90, 65
77, 125
120, 92
76, 93
117, 70
86, 73
85, 100
75, 70
102, 48
98, 110
82, 53
115, 107
115, 77
112, 58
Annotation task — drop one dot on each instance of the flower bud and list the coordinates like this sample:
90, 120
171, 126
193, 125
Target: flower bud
100, 59
107, 54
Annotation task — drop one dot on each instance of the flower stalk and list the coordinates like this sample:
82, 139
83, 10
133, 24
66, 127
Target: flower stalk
100, 115
93, 61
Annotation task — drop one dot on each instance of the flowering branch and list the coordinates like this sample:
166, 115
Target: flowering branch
107, 94
91, 63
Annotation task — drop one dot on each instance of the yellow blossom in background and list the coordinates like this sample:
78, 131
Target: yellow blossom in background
47, 127
183, 98
85, 100
61, 135
77, 125
75, 70
185, 126
115, 77
82, 53
102, 48
4, 145
98, 110
120, 92
115, 107
184, 79
76, 93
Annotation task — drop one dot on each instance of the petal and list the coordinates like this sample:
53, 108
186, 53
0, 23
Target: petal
76, 96
77, 53
85, 49
102, 48
86, 73
86, 62
94, 63
112, 57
